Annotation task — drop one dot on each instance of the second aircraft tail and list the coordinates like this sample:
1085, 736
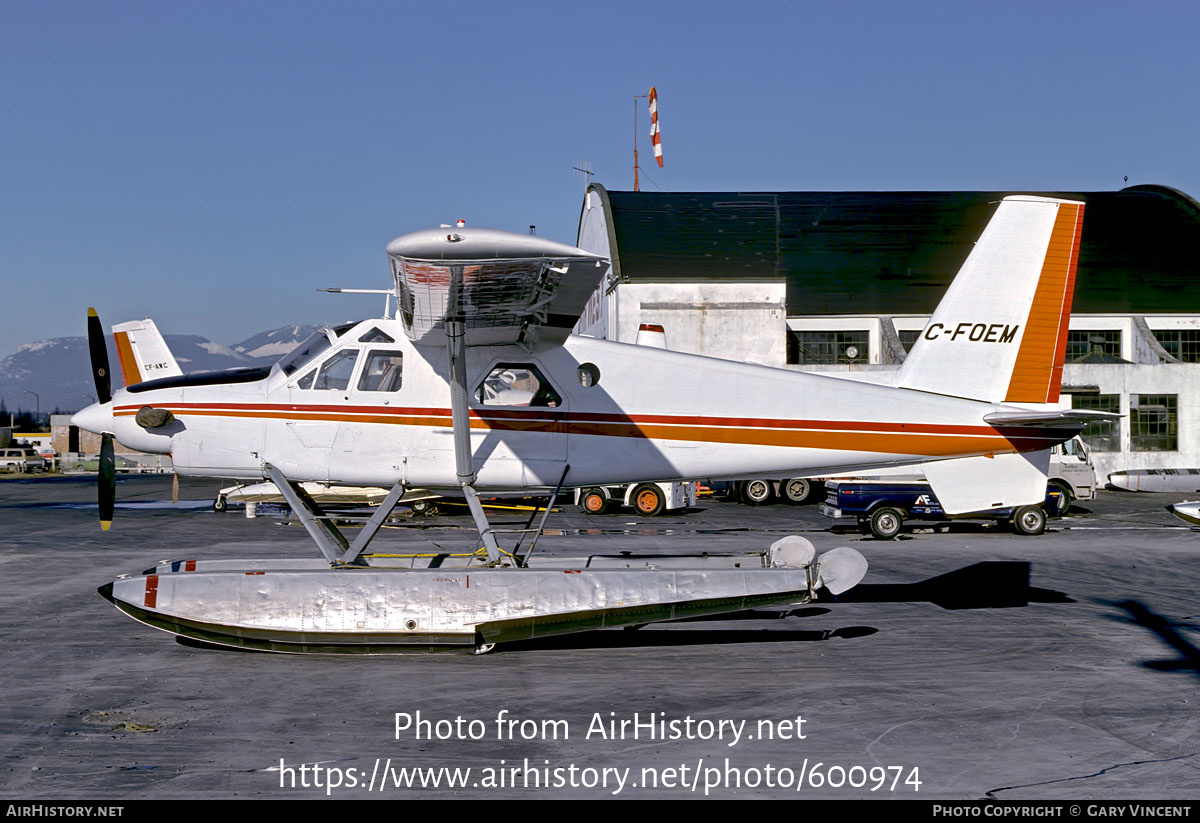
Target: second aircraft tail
143, 353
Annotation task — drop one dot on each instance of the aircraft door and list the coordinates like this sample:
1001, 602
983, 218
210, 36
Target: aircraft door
525, 440
312, 425
371, 443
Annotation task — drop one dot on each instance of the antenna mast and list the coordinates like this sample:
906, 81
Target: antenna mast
585, 171
636, 167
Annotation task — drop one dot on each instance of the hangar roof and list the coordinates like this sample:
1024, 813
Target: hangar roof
895, 252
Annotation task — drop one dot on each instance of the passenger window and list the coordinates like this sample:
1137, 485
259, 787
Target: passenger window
335, 372
382, 372
516, 384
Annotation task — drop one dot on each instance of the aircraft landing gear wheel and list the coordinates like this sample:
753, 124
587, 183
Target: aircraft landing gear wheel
864, 525
886, 523
593, 501
797, 490
1029, 520
220, 505
648, 500
424, 508
1064, 499
757, 492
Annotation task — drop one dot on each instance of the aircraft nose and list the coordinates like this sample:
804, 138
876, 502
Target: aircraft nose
96, 418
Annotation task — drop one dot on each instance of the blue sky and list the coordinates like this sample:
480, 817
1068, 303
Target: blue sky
212, 163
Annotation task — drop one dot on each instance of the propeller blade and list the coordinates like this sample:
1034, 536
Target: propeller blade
98, 349
107, 481
174, 489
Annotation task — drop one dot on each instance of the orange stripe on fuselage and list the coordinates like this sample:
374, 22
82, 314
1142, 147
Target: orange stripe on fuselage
887, 438
1037, 375
129, 367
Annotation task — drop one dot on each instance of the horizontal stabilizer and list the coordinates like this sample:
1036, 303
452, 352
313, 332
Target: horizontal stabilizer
1055, 418
979, 484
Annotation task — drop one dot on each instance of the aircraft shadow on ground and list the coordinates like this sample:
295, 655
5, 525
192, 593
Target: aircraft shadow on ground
994, 584
1167, 630
628, 639
691, 637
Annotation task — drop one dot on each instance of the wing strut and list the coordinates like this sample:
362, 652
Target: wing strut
456, 338
338, 551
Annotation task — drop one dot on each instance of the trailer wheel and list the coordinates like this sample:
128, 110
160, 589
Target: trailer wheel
648, 500
593, 501
1065, 499
757, 492
1029, 520
797, 490
886, 523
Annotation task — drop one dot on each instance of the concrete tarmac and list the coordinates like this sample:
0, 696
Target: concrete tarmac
970, 664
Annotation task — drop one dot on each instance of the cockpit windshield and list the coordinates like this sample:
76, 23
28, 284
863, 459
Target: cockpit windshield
307, 351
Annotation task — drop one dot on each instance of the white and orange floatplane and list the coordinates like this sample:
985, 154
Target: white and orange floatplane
474, 384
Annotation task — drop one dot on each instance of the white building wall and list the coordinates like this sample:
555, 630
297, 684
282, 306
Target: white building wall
599, 315
1179, 379
733, 321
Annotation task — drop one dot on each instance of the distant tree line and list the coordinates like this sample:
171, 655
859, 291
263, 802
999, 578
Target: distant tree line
23, 421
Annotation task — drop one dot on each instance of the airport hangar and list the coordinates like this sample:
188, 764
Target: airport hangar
841, 282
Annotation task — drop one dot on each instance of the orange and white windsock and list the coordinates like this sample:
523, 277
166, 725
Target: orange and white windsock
655, 138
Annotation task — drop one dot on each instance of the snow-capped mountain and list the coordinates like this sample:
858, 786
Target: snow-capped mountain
273, 344
57, 369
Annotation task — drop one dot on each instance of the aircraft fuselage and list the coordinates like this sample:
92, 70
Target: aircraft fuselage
613, 412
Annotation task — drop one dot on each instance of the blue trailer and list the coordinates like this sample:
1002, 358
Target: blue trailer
882, 506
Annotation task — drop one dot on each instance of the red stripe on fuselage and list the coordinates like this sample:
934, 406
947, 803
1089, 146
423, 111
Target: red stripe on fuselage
895, 438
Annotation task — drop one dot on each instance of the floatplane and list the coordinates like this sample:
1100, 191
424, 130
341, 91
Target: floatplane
474, 384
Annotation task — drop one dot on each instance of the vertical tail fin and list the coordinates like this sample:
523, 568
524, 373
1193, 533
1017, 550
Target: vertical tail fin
142, 352
1000, 332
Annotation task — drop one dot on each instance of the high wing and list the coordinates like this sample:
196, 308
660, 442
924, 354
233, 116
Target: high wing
505, 288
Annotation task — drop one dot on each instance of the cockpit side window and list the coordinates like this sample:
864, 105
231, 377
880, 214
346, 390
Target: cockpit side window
306, 382
382, 371
516, 384
335, 372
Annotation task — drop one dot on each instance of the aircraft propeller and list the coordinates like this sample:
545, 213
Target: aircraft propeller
107, 479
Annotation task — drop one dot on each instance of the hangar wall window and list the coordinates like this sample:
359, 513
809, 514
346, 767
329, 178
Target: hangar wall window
829, 347
1153, 423
1182, 344
1103, 341
1101, 435
908, 338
